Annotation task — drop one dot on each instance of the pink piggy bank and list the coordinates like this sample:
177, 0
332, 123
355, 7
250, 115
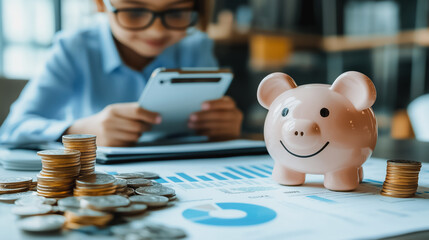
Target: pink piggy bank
319, 128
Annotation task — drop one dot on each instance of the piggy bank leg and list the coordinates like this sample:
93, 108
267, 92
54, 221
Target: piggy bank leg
360, 174
286, 176
343, 180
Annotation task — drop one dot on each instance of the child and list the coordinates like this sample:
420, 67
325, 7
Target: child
93, 77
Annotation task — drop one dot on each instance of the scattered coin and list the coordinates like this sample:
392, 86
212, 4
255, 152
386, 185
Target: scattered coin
46, 223
148, 231
156, 190
105, 203
30, 200
15, 182
150, 175
50, 201
133, 209
14, 196
139, 182
31, 210
129, 175
150, 200
86, 217
72, 202
12, 190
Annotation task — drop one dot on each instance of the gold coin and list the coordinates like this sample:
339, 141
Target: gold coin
403, 162
59, 152
96, 179
13, 190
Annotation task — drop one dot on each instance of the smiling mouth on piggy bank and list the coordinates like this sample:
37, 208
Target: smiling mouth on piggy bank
304, 156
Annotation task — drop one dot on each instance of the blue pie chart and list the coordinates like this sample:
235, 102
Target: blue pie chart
229, 214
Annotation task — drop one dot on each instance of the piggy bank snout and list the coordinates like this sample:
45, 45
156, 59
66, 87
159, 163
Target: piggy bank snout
301, 133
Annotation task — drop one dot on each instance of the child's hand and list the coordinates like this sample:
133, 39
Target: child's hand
119, 124
219, 119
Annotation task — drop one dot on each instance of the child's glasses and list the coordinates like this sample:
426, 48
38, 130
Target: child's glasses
141, 18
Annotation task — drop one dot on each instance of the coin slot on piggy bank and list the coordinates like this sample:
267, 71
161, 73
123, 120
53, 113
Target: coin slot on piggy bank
319, 128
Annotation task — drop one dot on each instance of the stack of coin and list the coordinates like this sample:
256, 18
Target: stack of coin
401, 179
82, 217
87, 147
60, 168
14, 184
95, 185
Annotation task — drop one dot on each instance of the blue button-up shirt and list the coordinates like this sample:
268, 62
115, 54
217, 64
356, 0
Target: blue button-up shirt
83, 74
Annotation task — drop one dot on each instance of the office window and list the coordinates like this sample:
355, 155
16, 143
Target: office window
28, 27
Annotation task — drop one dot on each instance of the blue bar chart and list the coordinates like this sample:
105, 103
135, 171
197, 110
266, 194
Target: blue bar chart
229, 175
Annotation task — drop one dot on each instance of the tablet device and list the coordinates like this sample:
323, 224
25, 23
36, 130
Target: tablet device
177, 93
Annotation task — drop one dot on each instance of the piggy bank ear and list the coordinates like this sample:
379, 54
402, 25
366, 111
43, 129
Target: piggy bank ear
272, 86
356, 87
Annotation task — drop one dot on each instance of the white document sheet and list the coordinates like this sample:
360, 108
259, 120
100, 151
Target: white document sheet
235, 198
182, 148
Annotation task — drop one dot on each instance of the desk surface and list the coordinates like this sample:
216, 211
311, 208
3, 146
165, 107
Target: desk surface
386, 148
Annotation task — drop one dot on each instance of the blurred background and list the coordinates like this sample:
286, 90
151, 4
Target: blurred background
314, 41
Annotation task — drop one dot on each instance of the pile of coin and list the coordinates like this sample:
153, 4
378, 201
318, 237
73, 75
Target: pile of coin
60, 168
86, 145
14, 184
97, 203
82, 217
96, 184
401, 179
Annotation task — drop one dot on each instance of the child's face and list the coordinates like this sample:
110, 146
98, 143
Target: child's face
151, 41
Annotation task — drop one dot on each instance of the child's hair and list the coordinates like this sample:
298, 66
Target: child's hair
203, 7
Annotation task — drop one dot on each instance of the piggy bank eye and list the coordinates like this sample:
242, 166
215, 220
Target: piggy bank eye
285, 112
324, 112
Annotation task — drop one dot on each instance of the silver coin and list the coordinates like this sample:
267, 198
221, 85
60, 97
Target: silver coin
30, 200
14, 180
129, 175
84, 212
172, 198
156, 183
160, 231
150, 200
132, 209
139, 182
44, 223
31, 210
71, 202
150, 175
78, 136
121, 183
50, 201
104, 203
63, 209
156, 190
128, 191
56, 209
15, 196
